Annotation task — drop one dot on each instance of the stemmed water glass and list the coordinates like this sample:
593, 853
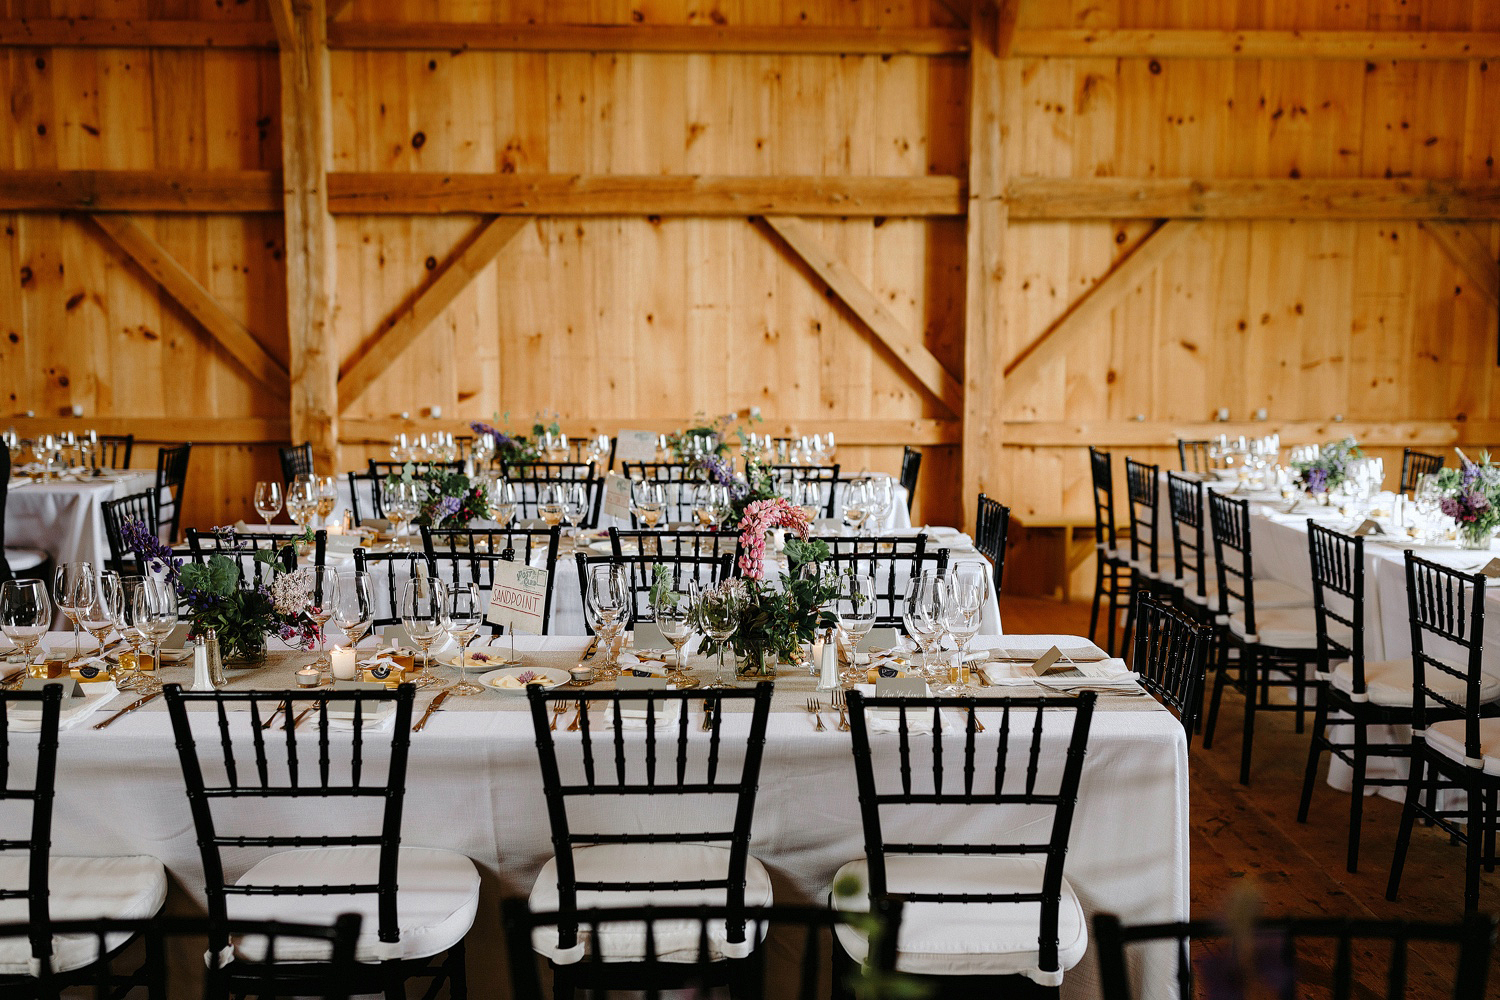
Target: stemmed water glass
155, 612
322, 601
424, 613
575, 505
124, 616
502, 500
354, 611
465, 613
649, 500
855, 609
856, 504
608, 603
268, 500
673, 608
72, 587
807, 495
402, 502
921, 612
963, 604
97, 616
719, 615
25, 613
880, 499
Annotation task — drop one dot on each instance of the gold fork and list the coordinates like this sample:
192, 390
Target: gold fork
573, 726
814, 706
558, 708
707, 716
838, 702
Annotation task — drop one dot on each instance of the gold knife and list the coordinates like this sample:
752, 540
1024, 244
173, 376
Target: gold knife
594, 645
432, 707
128, 709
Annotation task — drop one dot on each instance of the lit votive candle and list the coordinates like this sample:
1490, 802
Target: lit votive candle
307, 677
582, 674
343, 663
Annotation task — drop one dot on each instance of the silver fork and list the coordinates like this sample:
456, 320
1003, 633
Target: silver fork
814, 706
838, 702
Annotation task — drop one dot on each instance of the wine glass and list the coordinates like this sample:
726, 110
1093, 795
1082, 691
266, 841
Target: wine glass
608, 602
855, 609
25, 613
155, 612
673, 608
856, 504
921, 612
424, 613
97, 617
268, 500
322, 600
550, 504
881, 498
402, 502
719, 615
465, 613
575, 505
71, 583
354, 612
649, 500
124, 616
808, 496
963, 604
502, 501
302, 500
328, 497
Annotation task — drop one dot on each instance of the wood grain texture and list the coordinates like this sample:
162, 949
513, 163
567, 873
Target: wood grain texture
140, 190
1469, 251
1186, 43
90, 32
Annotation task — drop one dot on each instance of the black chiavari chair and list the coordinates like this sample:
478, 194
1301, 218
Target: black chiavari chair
679, 481
250, 551
1192, 456
594, 780
469, 555
113, 451
1171, 657
1276, 647
549, 471
389, 572
890, 561
365, 498
171, 484
296, 461
1194, 576
1455, 732
529, 480
42, 889
1142, 489
116, 514
1017, 889
1340, 951
585, 563
911, 468
684, 933
417, 903
381, 469
1415, 465
1112, 576
702, 558
1351, 691
826, 476
991, 526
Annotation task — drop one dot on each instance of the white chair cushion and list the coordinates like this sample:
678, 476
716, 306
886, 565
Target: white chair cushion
676, 941
24, 560
1284, 628
437, 897
969, 939
1447, 738
1389, 683
128, 888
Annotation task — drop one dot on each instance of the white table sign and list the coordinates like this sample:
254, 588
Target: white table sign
517, 597
636, 446
616, 495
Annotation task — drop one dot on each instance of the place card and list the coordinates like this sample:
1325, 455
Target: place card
518, 596
648, 636
1491, 569
635, 446
395, 635
70, 690
616, 496
1368, 527
901, 687
637, 710
877, 638
1047, 665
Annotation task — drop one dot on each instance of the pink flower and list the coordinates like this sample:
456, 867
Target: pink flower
760, 517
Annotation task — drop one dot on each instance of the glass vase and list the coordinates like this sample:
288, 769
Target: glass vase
1477, 539
757, 661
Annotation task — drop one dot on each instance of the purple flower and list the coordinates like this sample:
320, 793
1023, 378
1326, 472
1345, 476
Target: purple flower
447, 507
1317, 480
150, 550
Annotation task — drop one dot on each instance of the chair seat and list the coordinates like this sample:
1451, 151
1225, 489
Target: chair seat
1447, 738
438, 895
969, 939
127, 888
24, 560
1282, 628
676, 941
1389, 683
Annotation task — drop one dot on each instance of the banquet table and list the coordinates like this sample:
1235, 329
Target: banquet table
64, 517
473, 786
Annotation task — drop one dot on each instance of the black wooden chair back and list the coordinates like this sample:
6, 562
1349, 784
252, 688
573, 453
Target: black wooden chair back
676, 765
1101, 471
1142, 486
549, 471
1171, 657
113, 451
992, 525
1415, 465
248, 550
37, 800
469, 555
273, 769
702, 558
365, 499
1446, 608
381, 469
1192, 456
1338, 582
1334, 949
389, 572
586, 562
171, 484
1010, 781
679, 481
223, 976
814, 926
117, 513
1229, 520
826, 476
1189, 547
911, 468
529, 489
296, 461
890, 561
5, 573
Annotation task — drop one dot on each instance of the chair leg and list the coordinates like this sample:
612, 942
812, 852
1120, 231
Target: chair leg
1098, 595
1114, 612
562, 983
1301, 695
1314, 757
1213, 705
1492, 807
1129, 626
1250, 677
1403, 835
458, 973
1474, 855
1357, 793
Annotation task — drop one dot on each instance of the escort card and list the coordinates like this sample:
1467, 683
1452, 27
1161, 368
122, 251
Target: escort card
648, 636
1368, 527
1047, 665
637, 709
1491, 569
616, 496
517, 597
635, 446
877, 638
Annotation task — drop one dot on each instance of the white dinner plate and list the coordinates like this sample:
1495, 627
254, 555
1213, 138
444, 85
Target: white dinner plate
551, 675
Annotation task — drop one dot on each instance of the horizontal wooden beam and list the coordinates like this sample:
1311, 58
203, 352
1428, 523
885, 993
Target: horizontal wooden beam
87, 32
140, 190
451, 36
1268, 198
1433, 434
917, 431
1083, 43
651, 194
165, 430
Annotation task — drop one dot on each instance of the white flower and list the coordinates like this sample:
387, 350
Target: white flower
289, 591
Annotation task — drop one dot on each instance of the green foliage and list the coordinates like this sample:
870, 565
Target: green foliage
779, 621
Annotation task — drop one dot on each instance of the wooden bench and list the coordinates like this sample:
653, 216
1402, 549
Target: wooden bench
1077, 539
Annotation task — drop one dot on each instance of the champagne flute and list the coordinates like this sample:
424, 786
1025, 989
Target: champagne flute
424, 611
268, 500
71, 582
719, 616
465, 613
673, 608
155, 610
322, 600
354, 613
25, 613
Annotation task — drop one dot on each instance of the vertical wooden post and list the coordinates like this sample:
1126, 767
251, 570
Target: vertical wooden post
311, 266
991, 29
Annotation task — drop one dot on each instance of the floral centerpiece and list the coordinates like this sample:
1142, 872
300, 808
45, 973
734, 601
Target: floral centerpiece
510, 447
211, 596
1329, 469
1470, 495
775, 621
449, 499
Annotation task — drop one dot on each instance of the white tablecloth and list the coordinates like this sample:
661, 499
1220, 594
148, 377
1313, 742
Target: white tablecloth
65, 518
474, 787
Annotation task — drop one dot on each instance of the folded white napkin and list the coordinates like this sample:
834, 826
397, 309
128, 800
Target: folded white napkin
632, 662
887, 720
1110, 672
75, 711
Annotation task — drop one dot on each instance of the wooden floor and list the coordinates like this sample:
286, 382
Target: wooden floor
1249, 837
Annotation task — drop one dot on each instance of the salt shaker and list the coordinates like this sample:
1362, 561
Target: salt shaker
828, 679
208, 665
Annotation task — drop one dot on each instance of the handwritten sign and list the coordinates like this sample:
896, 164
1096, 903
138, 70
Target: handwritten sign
636, 446
518, 597
616, 496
